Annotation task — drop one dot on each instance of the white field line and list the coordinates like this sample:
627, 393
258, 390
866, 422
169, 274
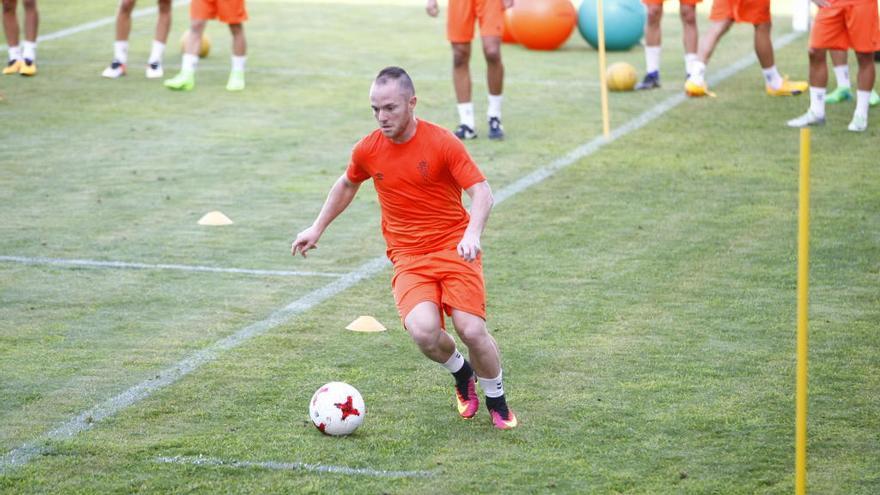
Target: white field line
294, 466
85, 420
160, 266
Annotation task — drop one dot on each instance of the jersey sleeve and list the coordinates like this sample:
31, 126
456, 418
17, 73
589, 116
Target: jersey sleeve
355, 171
462, 167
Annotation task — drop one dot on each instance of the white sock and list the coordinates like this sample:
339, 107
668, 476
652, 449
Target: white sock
189, 62
652, 59
494, 106
689, 59
15, 52
156, 52
120, 51
492, 387
29, 50
862, 99
772, 77
466, 114
698, 72
455, 362
817, 101
238, 62
841, 74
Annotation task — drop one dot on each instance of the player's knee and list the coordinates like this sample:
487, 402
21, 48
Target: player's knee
655, 14
492, 54
164, 5
126, 6
29, 4
472, 334
8, 6
688, 16
461, 57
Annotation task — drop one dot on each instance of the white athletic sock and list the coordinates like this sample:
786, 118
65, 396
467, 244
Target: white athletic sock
492, 387
157, 52
862, 100
120, 51
841, 74
189, 62
772, 77
652, 59
817, 101
238, 62
689, 59
466, 114
698, 73
494, 106
455, 362
15, 52
29, 50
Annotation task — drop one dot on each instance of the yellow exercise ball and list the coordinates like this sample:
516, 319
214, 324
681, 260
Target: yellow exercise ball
204, 46
621, 76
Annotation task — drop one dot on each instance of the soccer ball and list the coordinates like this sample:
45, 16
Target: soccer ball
621, 76
204, 46
337, 409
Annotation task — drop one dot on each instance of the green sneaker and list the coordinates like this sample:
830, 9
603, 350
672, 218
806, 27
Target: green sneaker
236, 81
840, 94
185, 80
875, 99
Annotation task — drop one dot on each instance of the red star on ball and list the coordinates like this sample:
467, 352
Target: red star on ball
347, 409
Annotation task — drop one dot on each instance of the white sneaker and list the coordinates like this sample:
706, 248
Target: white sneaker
859, 123
114, 71
807, 119
155, 70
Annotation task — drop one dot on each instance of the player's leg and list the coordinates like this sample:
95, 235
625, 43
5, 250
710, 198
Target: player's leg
185, 80
10, 28
865, 84
774, 83
842, 92
495, 80
461, 81
689, 35
118, 66
160, 40
696, 83
818, 82
653, 39
239, 57
29, 45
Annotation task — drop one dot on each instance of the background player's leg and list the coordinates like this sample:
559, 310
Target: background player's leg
653, 37
461, 81
495, 80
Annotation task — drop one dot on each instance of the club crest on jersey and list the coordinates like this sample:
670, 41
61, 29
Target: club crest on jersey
423, 170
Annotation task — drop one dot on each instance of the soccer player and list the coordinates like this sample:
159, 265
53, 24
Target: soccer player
688, 13
840, 25
419, 171
460, 32
843, 91
22, 58
756, 12
117, 68
231, 12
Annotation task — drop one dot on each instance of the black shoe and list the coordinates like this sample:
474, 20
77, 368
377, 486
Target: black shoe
496, 130
464, 132
651, 81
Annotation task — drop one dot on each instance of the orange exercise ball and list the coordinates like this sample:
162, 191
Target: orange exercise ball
507, 37
542, 24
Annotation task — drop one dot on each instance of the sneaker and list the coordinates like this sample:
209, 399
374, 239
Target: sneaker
859, 123
115, 70
466, 398
651, 81
838, 95
695, 90
496, 130
464, 132
236, 81
807, 119
29, 68
788, 88
154, 70
875, 99
13, 66
503, 420
185, 80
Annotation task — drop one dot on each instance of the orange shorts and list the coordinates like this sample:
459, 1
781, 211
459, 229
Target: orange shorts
853, 26
228, 11
747, 11
463, 13
441, 277
682, 2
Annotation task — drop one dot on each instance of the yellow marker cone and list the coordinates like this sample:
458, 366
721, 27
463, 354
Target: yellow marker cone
366, 324
215, 218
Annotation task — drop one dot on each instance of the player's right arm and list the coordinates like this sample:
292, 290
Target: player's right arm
340, 196
431, 8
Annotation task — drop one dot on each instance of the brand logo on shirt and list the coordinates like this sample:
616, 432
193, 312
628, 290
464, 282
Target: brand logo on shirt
423, 170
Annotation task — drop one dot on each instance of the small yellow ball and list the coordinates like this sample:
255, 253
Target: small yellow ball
204, 46
621, 76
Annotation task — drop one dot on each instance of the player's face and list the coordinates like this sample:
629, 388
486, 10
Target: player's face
393, 110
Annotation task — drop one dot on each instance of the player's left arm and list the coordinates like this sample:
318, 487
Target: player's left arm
481, 204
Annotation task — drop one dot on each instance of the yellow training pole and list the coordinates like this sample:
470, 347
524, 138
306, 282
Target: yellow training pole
803, 279
603, 84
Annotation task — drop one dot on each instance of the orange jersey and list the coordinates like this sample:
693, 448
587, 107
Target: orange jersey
419, 184
748, 11
463, 13
228, 11
847, 24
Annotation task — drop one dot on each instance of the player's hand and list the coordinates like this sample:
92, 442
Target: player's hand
469, 247
508, 4
432, 9
305, 240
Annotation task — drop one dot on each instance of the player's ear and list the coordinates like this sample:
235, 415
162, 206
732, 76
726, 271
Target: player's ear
412, 102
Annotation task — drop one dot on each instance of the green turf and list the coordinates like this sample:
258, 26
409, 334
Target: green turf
643, 298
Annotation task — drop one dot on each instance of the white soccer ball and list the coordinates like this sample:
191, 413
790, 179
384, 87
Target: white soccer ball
337, 409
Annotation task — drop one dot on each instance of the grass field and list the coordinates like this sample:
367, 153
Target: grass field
643, 297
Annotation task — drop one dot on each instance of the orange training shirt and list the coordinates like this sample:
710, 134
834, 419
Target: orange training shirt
419, 184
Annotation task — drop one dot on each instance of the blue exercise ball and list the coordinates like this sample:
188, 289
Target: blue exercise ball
624, 23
